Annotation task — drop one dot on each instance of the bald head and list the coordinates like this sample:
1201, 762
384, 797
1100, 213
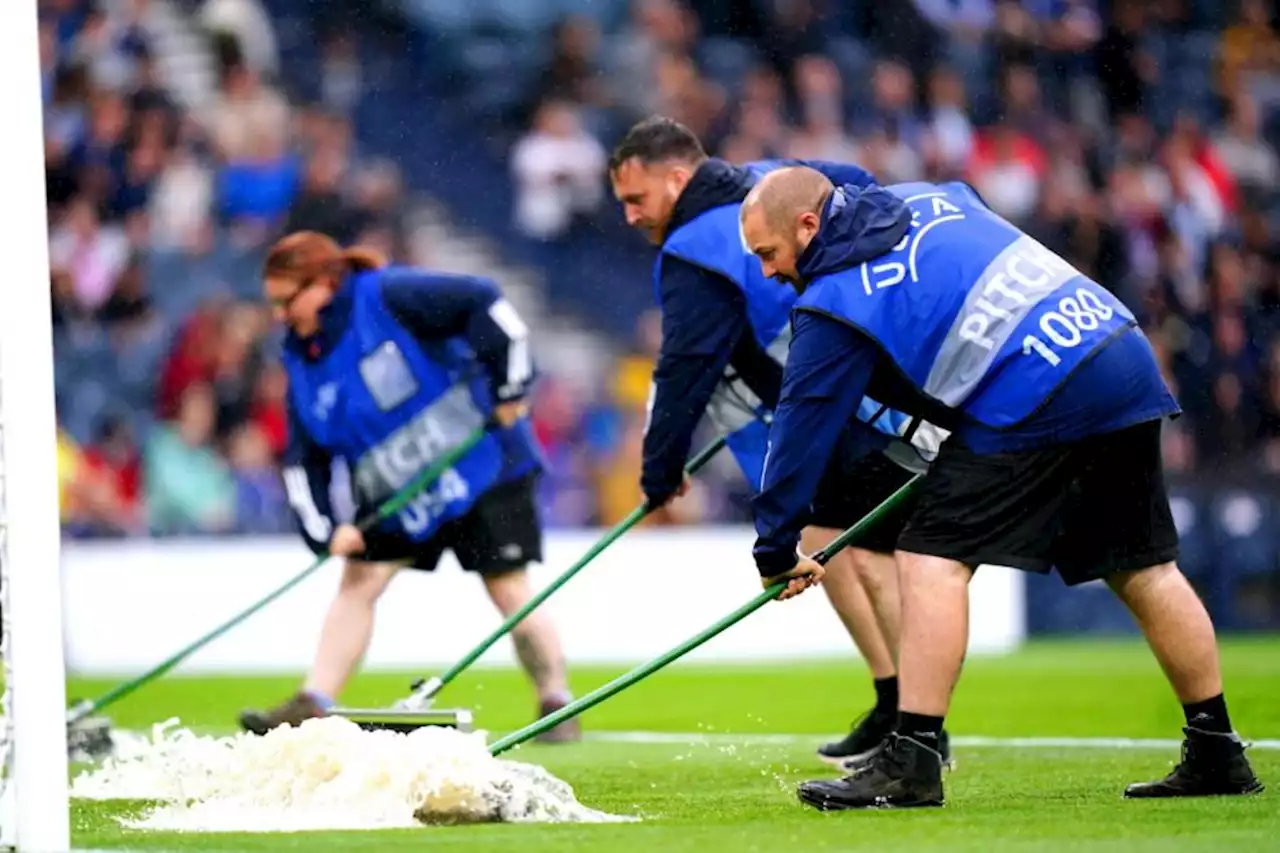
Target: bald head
781, 216
781, 196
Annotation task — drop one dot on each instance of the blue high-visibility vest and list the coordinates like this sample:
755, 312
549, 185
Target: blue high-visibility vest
977, 315
391, 406
714, 242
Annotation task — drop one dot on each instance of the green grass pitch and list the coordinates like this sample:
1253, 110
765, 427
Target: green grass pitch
739, 796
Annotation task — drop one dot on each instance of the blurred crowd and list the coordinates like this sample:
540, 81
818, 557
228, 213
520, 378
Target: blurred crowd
1137, 139
162, 188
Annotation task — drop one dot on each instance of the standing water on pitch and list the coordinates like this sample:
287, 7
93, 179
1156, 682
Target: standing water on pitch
327, 774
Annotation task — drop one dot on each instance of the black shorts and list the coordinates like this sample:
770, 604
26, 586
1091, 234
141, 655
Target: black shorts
850, 491
1089, 509
501, 533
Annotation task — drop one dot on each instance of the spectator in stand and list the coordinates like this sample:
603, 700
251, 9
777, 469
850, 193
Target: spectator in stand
93, 255
1249, 60
633, 374
246, 117
1243, 151
378, 201
656, 27
189, 487
1005, 170
572, 74
1053, 108
819, 94
261, 503
559, 172
178, 210
256, 188
893, 91
114, 461
341, 77
564, 490
1125, 70
950, 132
127, 313
248, 25
237, 363
191, 356
89, 497
320, 204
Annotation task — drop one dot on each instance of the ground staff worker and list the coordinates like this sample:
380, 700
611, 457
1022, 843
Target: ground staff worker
388, 368
1054, 402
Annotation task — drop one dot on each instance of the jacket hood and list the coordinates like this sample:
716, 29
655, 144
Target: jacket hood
715, 184
857, 225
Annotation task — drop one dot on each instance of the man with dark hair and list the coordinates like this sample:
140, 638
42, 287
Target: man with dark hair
725, 333
655, 140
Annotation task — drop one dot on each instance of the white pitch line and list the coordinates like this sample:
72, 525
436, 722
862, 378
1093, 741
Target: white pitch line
995, 742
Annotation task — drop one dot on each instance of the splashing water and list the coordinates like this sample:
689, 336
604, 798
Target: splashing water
327, 774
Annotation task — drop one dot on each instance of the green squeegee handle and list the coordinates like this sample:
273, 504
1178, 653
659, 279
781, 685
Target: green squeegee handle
643, 671
427, 688
393, 505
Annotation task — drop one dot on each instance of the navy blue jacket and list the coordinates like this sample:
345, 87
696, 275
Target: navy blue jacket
431, 306
828, 370
705, 329
831, 365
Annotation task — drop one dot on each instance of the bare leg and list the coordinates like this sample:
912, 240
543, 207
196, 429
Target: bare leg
850, 599
536, 642
935, 631
879, 574
348, 626
1181, 636
1177, 628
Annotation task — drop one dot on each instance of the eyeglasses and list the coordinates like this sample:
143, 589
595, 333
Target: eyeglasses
287, 303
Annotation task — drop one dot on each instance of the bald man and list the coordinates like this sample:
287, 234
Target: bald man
921, 296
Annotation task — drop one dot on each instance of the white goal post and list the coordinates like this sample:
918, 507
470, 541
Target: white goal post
33, 737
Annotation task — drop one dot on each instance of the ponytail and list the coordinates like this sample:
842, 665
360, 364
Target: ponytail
362, 259
306, 255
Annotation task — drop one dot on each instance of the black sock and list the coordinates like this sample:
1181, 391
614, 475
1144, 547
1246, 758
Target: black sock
886, 693
920, 727
1209, 715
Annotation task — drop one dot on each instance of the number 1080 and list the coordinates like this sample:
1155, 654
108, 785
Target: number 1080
1083, 312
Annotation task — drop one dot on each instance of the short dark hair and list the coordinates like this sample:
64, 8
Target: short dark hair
657, 139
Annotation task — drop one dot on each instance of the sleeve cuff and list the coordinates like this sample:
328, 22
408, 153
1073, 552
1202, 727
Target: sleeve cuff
771, 561
508, 394
659, 489
654, 498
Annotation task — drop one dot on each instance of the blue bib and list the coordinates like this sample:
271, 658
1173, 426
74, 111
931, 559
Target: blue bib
714, 242
977, 315
391, 408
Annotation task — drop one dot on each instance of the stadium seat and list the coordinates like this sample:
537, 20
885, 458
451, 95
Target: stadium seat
1243, 525
1089, 608
1244, 528
1195, 532
88, 399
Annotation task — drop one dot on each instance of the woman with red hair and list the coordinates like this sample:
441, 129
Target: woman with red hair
389, 368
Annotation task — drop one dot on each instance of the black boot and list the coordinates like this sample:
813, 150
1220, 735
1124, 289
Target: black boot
864, 739
904, 774
1212, 764
944, 749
